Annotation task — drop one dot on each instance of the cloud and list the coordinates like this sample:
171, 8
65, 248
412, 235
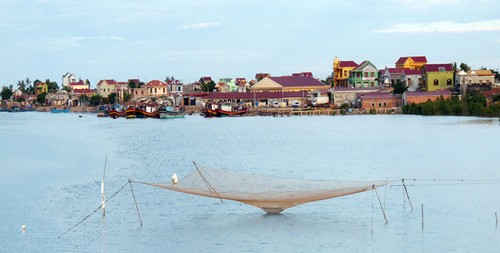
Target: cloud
201, 25
443, 27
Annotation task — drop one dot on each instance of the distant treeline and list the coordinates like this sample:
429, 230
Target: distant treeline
469, 105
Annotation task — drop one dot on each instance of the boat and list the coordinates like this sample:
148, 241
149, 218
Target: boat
147, 112
56, 110
116, 111
210, 110
130, 112
170, 112
229, 109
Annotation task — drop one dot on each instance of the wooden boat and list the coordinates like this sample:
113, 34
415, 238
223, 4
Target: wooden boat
115, 113
64, 110
231, 110
210, 110
147, 112
130, 113
170, 112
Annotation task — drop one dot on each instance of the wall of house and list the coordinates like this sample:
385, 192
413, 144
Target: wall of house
104, 89
441, 77
369, 103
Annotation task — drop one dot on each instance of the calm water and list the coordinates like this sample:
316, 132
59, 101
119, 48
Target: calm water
51, 166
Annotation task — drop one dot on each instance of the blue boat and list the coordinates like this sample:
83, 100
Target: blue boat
55, 110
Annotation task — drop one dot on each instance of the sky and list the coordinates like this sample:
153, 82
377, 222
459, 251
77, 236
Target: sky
188, 39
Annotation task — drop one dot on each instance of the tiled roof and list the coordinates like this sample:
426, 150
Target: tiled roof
297, 81
77, 83
396, 70
436, 93
303, 74
484, 72
155, 83
346, 64
110, 81
358, 90
255, 95
412, 72
420, 59
435, 67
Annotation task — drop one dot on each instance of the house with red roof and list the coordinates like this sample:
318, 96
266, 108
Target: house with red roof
418, 97
41, 87
364, 75
303, 74
390, 76
411, 62
438, 76
378, 100
412, 78
288, 84
341, 71
79, 85
106, 87
156, 88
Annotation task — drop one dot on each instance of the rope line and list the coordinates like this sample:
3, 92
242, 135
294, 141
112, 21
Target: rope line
97, 209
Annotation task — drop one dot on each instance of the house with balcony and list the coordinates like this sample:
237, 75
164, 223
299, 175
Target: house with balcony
79, 85
437, 76
341, 72
411, 62
156, 88
482, 79
41, 87
364, 75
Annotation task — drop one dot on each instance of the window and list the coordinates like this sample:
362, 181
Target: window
373, 84
372, 74
373, 104
436, 82
358, 74
385, 104
379, 104
366, 74
441, 69
155, 91
179, 88
345, 72
448, 82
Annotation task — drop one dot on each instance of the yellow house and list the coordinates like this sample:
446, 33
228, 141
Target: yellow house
106, 87
288, 84
438, 76
341, 71
41, 88
411, 62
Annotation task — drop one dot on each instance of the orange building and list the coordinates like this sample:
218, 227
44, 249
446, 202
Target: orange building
411, 62
377, 100
341, 71
418, 97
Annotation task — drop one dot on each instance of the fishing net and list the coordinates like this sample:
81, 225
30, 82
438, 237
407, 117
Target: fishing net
271, 194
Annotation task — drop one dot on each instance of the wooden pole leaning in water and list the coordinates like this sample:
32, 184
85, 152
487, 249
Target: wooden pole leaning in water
380, 203
408, 196
496, 217
136, 205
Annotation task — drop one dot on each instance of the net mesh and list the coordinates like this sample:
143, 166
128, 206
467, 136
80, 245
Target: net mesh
271, 194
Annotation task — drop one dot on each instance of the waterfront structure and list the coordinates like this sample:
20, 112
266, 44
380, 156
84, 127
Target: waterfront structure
475, 79
41, 87
377, 100
288, 84
437, 76
418, 97
67, 79
364, 75
349, 96
57, 99
341, 71
412, 78
411, 62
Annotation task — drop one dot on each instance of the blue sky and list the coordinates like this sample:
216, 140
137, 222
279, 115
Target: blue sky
186, 39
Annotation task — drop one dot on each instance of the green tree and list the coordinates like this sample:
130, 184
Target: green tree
67, 89
464, 67
132, 84
399, 87
40, 99
112, 98
7, 92
126, 97
52, 86
95, 99
210, 86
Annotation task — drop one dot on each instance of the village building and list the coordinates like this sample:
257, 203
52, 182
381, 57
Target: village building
156, 88
79, 85
41, 87
349, 96
391, 76
364, 75
106, 87
68, 78
378, 100
226, 85
411, 62
482, 79
438, 76
242, 84
418, 97
60, 98
341, 72
288, 84
412, 78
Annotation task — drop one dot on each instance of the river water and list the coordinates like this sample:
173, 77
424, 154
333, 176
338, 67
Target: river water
51, 166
